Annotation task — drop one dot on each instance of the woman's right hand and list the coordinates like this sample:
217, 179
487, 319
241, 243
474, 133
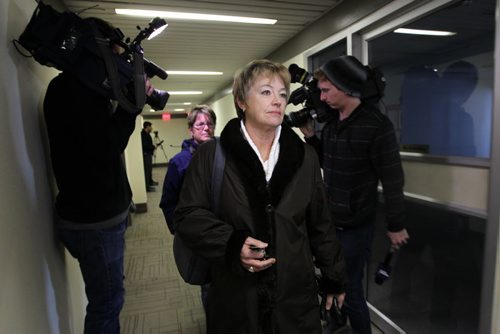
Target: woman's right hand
253, 255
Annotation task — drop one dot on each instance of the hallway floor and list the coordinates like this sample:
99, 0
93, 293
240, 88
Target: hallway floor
157, 300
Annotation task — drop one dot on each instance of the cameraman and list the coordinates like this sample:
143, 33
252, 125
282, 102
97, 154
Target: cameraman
357, 149
87, 138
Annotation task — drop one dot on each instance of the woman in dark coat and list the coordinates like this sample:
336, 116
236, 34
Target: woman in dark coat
274, 224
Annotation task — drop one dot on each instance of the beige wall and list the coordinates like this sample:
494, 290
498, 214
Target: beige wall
40, 285
463, 187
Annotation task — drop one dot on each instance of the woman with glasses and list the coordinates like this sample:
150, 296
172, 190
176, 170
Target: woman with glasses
273, 224
201, 125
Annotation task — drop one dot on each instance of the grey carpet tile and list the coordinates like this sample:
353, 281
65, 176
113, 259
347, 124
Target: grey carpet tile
157, 300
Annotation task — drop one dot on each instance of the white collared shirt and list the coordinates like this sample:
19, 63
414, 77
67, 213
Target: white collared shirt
270, 163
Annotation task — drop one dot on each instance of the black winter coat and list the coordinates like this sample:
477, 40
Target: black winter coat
290, 213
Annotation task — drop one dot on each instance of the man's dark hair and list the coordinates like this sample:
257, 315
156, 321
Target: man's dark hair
146, 124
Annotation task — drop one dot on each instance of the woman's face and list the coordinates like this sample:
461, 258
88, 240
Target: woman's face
203, 128
265, 103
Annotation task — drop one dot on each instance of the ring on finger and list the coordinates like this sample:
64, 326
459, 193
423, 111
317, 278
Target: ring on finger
251, 269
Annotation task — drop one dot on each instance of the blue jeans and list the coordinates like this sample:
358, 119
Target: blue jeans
356, 245
100, 254
204, 296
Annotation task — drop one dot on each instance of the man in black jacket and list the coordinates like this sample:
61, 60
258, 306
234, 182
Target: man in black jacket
357, 149
148, 149
87, 138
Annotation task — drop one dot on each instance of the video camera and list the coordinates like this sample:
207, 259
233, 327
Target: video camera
351, 76
309, 96
83, 47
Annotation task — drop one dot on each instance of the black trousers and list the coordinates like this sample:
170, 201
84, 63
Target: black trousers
148, 169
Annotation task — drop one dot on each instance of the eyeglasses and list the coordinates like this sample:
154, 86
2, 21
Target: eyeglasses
201, 125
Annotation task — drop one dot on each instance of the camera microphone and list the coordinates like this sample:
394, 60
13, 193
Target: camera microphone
384, 268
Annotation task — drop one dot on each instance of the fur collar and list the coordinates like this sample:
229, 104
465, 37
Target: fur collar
259, 193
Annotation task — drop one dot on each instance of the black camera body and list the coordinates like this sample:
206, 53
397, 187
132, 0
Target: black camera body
69, 43
308, 95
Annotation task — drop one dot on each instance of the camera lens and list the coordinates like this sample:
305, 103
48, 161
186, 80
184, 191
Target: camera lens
298, 118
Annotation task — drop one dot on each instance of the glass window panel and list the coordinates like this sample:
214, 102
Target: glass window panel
435, 280
440, 88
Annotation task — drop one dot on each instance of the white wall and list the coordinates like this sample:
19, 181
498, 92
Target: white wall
40, 286
135, 165
172, 132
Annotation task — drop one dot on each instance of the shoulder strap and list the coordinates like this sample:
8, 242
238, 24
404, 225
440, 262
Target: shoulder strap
112, 70
217, 172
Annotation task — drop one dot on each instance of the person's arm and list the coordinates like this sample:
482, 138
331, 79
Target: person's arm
324, 244
310, 137
170, 194
122, 123
194, 221
387, 161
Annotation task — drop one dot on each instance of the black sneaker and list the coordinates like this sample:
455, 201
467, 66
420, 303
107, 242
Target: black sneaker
154, 183
150, 189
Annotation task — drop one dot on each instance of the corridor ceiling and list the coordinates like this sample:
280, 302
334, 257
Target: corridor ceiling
208, 46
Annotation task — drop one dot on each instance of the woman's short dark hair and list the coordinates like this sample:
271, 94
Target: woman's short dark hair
245, 78
200, 109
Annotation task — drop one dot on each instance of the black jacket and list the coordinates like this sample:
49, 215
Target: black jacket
86, 143
290, 213
147, 143
356, 154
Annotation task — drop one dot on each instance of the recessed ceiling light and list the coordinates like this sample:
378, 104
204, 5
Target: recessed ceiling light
186, 92
194, 73
424, 32
193, 16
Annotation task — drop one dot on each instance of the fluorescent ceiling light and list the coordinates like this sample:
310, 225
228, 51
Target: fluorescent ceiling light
179, 104
186, 92
424, 32
179, 109
193, 16
194, 73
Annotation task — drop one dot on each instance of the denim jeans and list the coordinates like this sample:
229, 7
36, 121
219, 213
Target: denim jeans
204, 296
100, 254
356, 245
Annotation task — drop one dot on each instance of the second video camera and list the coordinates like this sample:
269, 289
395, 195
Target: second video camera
308, 95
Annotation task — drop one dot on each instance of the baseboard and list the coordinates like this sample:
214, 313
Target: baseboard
141, 207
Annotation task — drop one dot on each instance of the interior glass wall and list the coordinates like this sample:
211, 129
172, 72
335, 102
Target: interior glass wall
441, 86
439, 96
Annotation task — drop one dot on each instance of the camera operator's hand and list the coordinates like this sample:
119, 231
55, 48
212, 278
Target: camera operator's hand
308, 128
329, 300
398, 239
149, 86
